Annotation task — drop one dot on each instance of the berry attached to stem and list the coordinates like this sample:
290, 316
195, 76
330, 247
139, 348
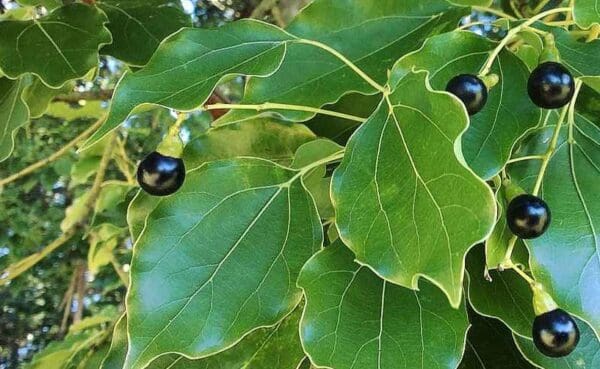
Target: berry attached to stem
528, 216
555, 333
160, 175
471, 90
551, 85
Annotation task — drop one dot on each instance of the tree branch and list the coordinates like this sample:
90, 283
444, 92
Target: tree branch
28, 262
35, 166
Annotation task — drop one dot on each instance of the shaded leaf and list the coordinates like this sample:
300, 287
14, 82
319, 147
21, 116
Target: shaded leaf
403, 189
91, 109
103, 240
202, 300
354, 319
508, 113
138, 27
67, 40
38, 96
489, 346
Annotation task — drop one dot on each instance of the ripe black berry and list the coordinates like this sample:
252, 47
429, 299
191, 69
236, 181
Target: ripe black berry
470, 90
551, 85
528, 216
160, 175
555, 333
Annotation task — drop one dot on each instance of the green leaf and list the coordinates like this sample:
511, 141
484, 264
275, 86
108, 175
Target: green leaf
490, 346
404, 190
66, 44
508, 113
566, 259
61, 354
576, 55
472, 2
138, 27
586, 13
111, 194
503, 295
372, 35
354, 319
38, 96
13, 113
266, 138
62, 110
586, 355
258, 350
195, 259
188, 65
103, 240
83, 169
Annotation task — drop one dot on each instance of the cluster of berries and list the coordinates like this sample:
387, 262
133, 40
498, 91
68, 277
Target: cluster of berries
550, 86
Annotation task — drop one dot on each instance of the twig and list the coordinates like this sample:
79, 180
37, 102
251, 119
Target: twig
35, 166
67, 302
78, 314
263, 8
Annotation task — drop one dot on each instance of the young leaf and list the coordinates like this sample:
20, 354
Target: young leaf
258, 350
266, 138
13, 113
508, 113
67, 40
373, 35
186, 282
138, 27
405, 189
188, 65
353, 319
566, 259
586, 13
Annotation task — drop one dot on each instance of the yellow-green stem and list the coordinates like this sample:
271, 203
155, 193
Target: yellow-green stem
272, 106
512, 33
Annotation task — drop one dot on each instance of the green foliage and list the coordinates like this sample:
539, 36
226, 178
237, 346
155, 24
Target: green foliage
372, 235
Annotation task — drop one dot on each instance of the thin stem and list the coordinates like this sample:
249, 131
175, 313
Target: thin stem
509, 250
269, 106
65, 149
119, 270
346, 61
524, 158
469, 25
570, 109
512, 33
561, 23
523, 275
28, 262
515, 9
329, 159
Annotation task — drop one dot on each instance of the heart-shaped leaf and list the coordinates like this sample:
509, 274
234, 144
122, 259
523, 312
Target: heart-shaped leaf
404, 190
186, 282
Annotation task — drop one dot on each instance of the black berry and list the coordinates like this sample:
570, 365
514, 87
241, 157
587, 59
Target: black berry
555, 333
528, 216
160, 175
470, 90
551, 85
